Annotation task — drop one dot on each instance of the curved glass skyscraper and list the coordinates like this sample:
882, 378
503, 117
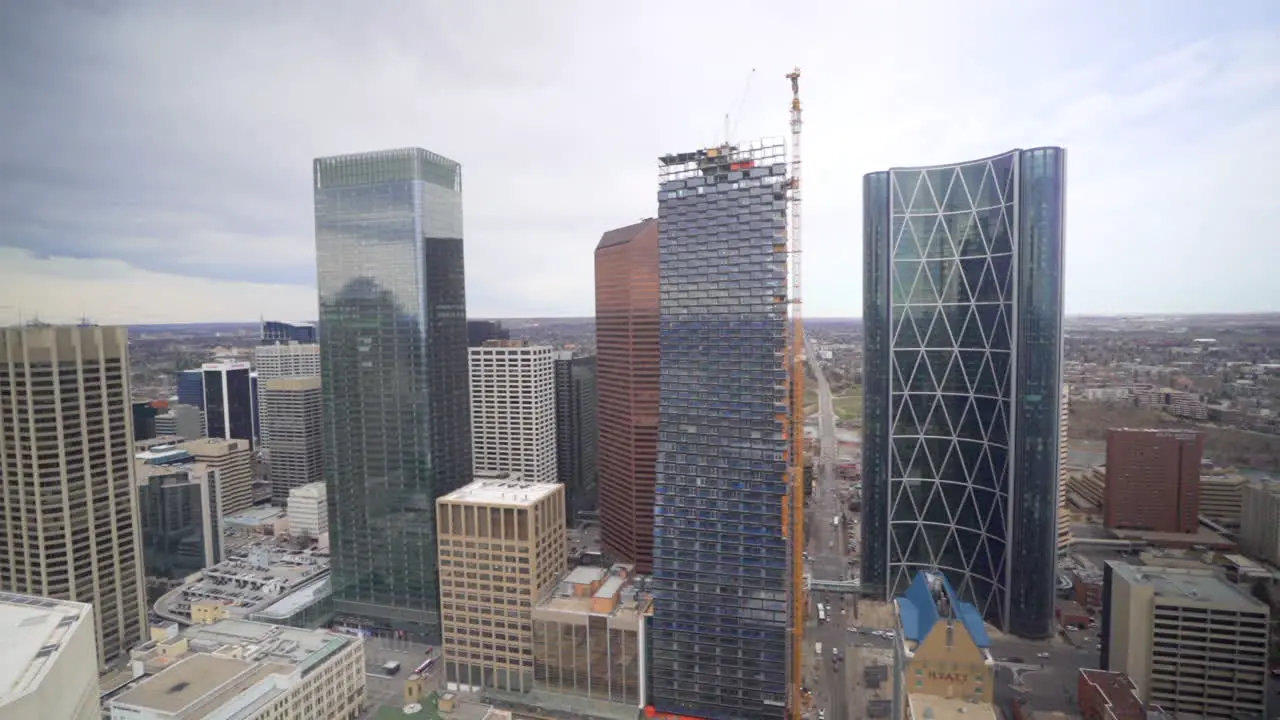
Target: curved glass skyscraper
963, 333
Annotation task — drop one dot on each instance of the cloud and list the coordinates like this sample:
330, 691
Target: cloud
174, 142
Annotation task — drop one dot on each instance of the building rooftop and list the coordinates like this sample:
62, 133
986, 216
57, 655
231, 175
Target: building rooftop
623, 235
254, 516
494, 490
1187, 585
190, 680
286, 606
252, 579
932, 707
33, 629
1118, 689
930, 598
575, 594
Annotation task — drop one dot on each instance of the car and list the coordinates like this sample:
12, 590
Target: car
1042, 655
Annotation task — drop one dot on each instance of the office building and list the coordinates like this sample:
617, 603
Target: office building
963, 348
1259, 534
1106, 695
228, 401
1193, 643
191, 388
278, 331
51, 666
720, 578
589, 637
393, 357
295, 426
513, 533
180, 513
626, 276
233, 460
307, 511
66, 442
1221, 498
1153, 480
184, 421
577, 433
281, 360
246, 671
144, 420
513, 410
942, 654
481, 331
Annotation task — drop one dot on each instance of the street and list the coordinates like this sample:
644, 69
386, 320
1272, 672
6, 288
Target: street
827, 561
388, 690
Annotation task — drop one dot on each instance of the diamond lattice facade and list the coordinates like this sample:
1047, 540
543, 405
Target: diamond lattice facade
720, 562
963, 315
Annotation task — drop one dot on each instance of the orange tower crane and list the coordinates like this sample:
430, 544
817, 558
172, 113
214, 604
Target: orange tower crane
796, 352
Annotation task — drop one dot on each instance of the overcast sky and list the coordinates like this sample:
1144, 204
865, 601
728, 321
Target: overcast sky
155, 157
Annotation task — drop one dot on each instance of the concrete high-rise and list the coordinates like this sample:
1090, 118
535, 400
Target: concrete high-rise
67, 477
513, 409
184, 421
296, 428
577, 432
228, 401
1153, 480
720, 571
233, 459
626, 278
963, 346
281, 360
393, 356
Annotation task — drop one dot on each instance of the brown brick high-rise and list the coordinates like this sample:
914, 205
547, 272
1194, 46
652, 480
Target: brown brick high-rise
1153, 480
627, 384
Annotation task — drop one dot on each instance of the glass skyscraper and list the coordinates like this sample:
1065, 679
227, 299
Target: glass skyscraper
963, 333
393, 357
720, 562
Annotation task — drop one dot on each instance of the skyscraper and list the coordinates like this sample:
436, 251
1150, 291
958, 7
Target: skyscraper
963, 333
627, 383
577, 432
296, 425
720, 623
278, 331
67, 476
229, 401
393, 355
281, 360
513, 410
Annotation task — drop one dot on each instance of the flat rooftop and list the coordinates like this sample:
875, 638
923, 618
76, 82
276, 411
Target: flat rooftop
491, 491
1193, 585
275, 643
253, 578
1118, 691
940, 708
192, 679
33, 629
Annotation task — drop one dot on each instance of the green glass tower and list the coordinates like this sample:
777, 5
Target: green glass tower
393, 352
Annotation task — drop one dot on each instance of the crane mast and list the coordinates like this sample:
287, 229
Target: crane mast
796, 356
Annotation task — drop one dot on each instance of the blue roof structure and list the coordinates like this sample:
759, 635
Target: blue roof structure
919, 609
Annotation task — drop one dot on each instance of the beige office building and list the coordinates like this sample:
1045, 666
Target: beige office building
233, 459
293, 433
502, 549
67, 476
50, 669
1193, 643
1260, 521
1220, 498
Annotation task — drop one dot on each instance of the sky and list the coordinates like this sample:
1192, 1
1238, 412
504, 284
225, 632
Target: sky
155, 157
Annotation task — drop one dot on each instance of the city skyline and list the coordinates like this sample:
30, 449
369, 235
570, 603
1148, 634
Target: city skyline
213, 215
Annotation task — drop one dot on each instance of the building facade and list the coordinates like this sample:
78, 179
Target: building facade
66, 444
228, 401
481, 331
513, 409
1191, 642
393, 356
295, 425
513, 533
184, 421
720, 578
1064, 447
233, 459
51, 667
191, 388
963, 335
278, 331
626, 276
307, 511
180, 512
144, 420
577, 433
1260, 521
281, 360
1153, 480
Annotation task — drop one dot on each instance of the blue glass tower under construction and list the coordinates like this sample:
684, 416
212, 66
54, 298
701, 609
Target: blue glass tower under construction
720, 561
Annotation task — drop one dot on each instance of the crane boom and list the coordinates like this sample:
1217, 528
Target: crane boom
796, 431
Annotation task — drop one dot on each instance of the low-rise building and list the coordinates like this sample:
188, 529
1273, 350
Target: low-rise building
1191, 642
247, 671
50, 667
588, 638
308, 512
942, 658
1106, 695
252, 578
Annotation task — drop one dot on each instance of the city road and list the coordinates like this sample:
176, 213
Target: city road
827, 561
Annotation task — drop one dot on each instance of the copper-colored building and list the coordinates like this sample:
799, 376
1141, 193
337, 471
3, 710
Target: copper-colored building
627, 384
1153, 480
